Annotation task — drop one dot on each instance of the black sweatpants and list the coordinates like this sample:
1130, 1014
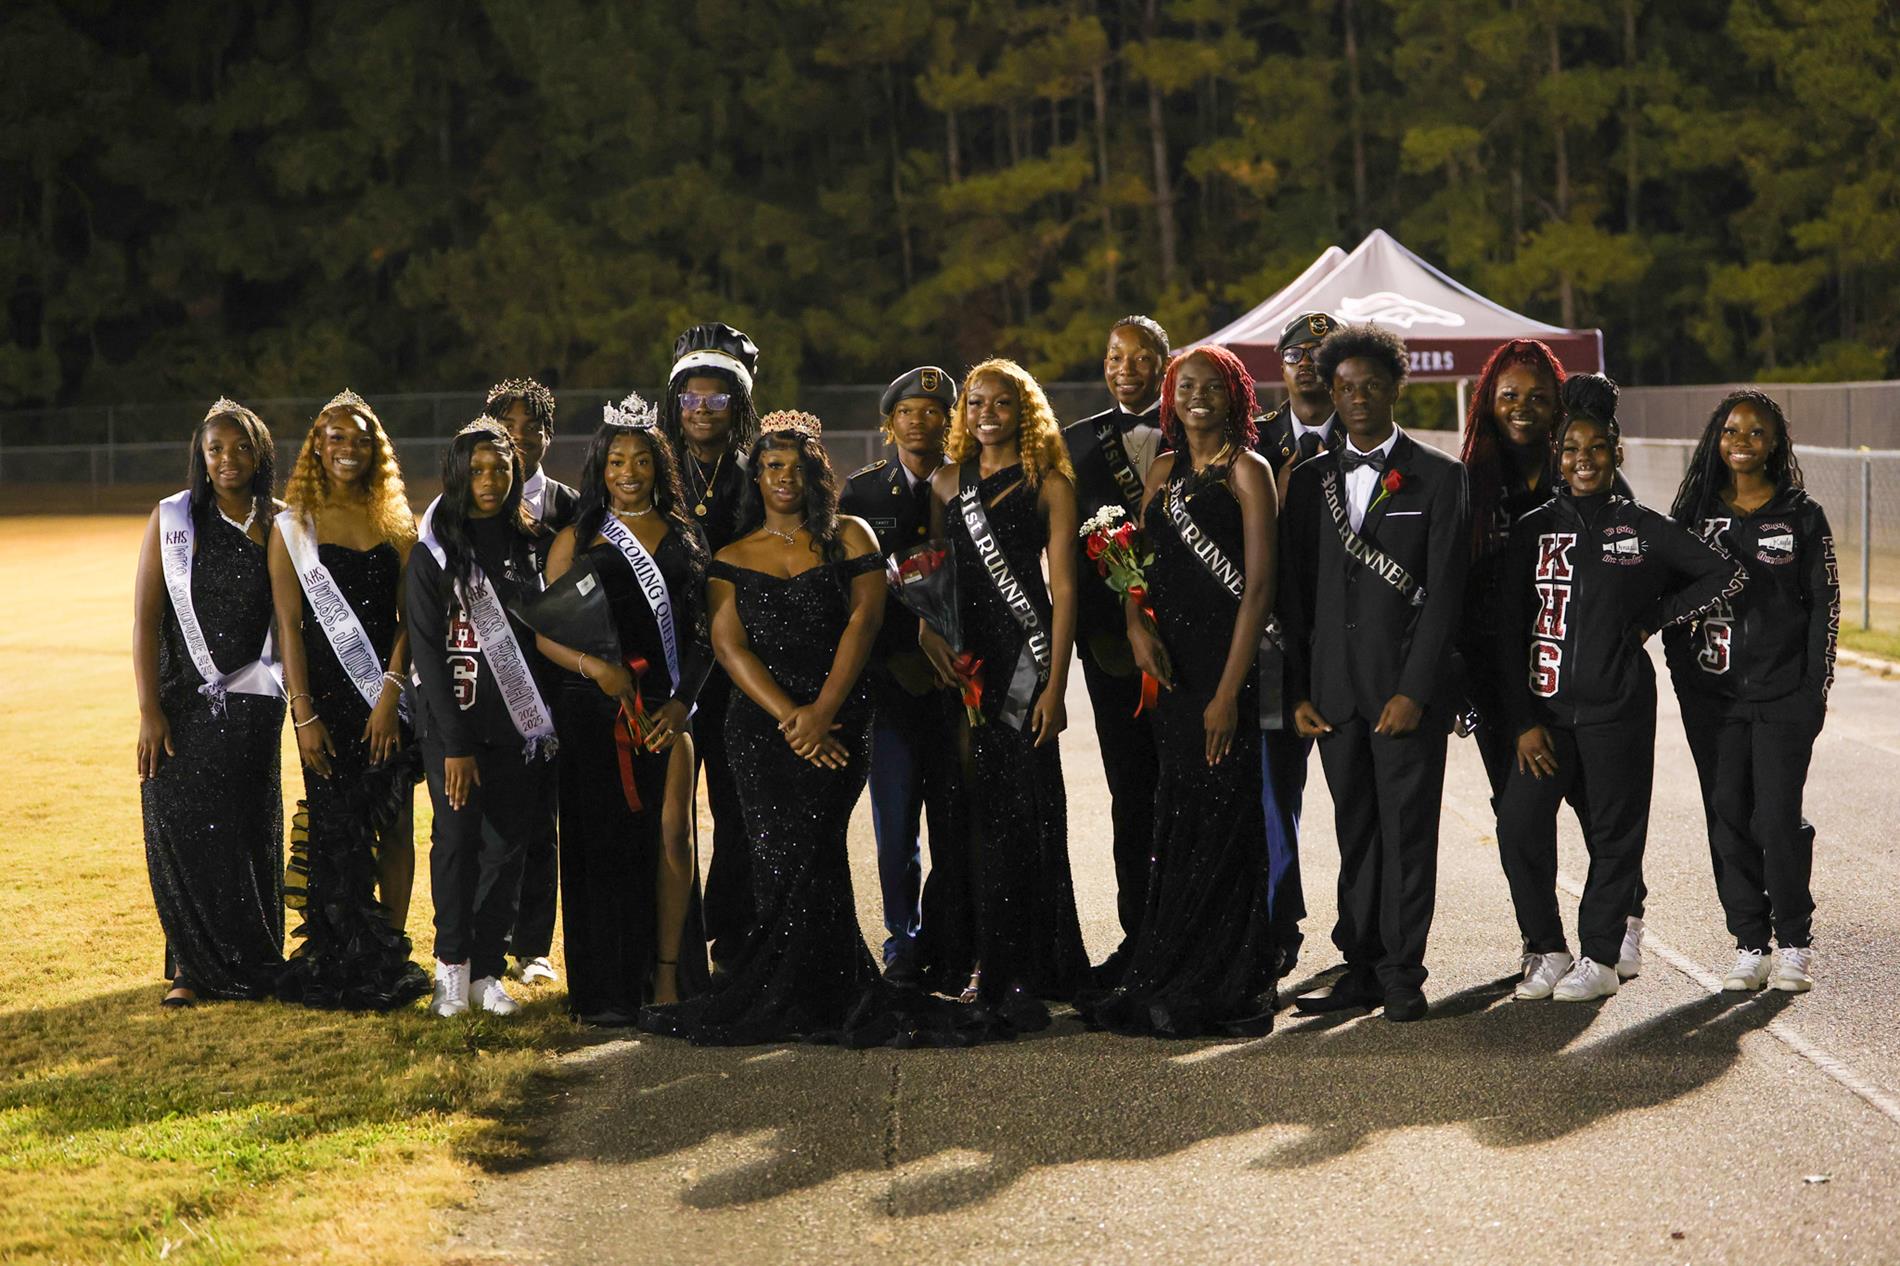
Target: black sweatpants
729, 909
1752, 775
533, 935
1607, 770
1132, 767
1387, 793
475, 853
1498, 751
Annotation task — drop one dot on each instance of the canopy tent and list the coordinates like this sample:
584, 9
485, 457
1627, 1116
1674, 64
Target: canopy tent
1449, 329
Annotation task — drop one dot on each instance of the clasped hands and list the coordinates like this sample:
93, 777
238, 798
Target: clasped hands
808, 730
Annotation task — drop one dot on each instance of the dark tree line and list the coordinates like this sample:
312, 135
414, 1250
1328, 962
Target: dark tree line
277, 197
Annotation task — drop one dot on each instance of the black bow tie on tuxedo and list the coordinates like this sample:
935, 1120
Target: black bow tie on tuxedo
1351, 460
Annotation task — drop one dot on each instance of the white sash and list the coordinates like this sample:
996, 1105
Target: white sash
534, 491
646, 573
177, 536
496, 633
334, 613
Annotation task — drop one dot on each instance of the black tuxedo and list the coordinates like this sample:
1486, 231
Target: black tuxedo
1129, 760
913, 732
1353, 642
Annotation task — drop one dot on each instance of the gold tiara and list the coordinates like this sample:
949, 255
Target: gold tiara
796, 421
539, 398
224, 405
634, 412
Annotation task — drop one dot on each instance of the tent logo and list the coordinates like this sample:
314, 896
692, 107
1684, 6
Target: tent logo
1388, 307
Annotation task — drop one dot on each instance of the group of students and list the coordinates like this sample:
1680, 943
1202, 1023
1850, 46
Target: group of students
1308, 576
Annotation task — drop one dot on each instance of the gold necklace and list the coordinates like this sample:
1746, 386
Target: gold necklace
706, 493
790, 538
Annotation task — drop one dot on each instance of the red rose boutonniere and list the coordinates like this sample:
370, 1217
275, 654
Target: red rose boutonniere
1392, 482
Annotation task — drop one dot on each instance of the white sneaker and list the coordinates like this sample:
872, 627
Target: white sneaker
451, 989
1794, 970
1541, 974
535, 969
1749, 973
1586, 981
489, 996
1629, 959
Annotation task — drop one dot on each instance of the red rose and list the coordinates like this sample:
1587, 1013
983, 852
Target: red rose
1096, 545
1393, 480
1124, 534
1139, 594
1101, 567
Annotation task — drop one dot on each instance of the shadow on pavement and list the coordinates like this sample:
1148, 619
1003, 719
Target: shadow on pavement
954, 1128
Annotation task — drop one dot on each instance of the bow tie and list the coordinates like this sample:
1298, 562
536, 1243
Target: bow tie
1127, 421
1351, 460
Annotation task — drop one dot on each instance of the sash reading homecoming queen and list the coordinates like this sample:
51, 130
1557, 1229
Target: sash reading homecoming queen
1032, 665
177, 536
646, 573
334, 613
496, 633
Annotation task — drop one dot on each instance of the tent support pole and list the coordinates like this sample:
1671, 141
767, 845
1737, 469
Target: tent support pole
1464, 386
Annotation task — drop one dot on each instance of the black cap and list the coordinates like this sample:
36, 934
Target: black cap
1308, 327
716, 345
926, 382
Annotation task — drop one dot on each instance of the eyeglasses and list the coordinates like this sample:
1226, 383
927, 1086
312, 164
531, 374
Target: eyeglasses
1294, 355
691, 400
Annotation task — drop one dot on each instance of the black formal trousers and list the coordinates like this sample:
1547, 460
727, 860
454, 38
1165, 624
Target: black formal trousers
1752, 774
1608, 770
533, 935
730, 913
1386, 797
475, 853
1132, 767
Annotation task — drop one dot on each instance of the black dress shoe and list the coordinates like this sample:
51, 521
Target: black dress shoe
1405, 1005
1354, 990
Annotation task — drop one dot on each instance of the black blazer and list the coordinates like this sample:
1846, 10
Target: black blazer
559, 503
1352, 641
1275, 440
882, 496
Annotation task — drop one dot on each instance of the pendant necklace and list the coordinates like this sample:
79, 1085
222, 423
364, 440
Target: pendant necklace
706, 490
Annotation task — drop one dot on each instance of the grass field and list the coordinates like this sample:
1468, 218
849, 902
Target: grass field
230, 1132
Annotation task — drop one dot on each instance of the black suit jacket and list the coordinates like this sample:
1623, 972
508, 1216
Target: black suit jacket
1275, 440
1352, 641
558, 505
1098, 612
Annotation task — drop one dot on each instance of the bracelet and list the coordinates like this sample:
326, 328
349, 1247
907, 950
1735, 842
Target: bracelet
394, 680
580, 665
301, 694
298, 725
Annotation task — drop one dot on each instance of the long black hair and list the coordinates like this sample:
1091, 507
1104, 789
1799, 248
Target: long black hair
1707, 475
821, 491
745, 414
591, 509
451, 512
263, 480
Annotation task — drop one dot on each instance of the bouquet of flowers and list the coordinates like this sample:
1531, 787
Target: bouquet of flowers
924, 578
1121, 555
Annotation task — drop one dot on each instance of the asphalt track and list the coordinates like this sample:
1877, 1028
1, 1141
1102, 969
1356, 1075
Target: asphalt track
1670, 1123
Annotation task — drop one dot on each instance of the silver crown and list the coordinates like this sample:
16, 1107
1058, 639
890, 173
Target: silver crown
348, 399
224, 405
634, 412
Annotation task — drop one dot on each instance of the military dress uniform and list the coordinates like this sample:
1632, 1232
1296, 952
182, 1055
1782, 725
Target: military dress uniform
913, 731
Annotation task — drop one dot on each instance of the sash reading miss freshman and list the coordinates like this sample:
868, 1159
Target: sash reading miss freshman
1269, 666
1381, 564
334, 614
177, 536
646, 573
1032, 665
526, 708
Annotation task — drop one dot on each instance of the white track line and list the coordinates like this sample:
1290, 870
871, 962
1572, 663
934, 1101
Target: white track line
1838, 1070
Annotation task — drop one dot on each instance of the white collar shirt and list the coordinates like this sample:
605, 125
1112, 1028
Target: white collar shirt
1361, 480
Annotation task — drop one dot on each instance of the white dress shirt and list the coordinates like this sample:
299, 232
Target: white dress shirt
533, 489
1142, 441
1361, 481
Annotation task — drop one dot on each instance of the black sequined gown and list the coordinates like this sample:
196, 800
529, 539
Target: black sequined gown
1205, 960
805, 964
214, 813
1004, 899
349, 956
609, 853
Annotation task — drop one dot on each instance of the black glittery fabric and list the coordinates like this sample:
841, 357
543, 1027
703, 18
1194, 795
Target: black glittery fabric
1204, 961
348, 955
610, 854
214, 813
1000, 894
805, 964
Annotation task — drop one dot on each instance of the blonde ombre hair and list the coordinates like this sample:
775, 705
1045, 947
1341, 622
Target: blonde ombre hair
1038, 434
308, 490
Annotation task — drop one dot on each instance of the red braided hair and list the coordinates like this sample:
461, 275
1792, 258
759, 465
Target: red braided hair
1241, 406
1484, 461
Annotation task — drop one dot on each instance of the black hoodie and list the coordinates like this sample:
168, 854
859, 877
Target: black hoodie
1767, 653
1579, 576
